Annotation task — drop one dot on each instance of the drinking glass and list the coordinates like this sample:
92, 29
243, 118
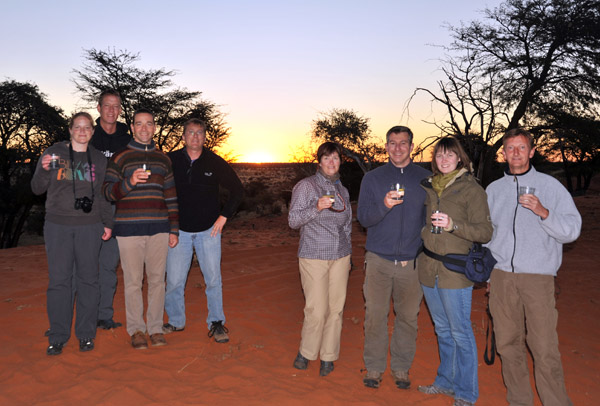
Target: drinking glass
435, 229
398, 188
526, 190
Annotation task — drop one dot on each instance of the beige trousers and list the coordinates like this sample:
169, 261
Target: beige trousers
324, 284
136, 252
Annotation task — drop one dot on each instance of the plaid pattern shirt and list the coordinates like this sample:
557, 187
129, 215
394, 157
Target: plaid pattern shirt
324, 234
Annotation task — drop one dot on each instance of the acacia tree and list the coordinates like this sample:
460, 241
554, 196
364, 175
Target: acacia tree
352, 132
575, 140
152, 89
525, 55
28, 125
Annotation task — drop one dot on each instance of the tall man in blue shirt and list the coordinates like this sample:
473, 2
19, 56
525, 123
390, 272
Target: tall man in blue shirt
393, 239
199, 173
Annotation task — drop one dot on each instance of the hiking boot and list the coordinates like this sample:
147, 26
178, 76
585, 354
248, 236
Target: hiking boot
401, 379
326, 368
300, 362
86, 344
372, 379
219, 332
138, 341
168, 328
157, 339
435, 390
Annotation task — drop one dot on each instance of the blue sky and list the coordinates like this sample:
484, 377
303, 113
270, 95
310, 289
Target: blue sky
272, 66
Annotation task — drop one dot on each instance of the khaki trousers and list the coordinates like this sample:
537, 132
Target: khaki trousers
136, 252
384, 281
524, 311
324, 284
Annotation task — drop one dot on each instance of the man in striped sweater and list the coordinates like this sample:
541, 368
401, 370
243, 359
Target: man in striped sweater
140, 180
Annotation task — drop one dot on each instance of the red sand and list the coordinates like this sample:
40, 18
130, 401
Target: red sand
263, 303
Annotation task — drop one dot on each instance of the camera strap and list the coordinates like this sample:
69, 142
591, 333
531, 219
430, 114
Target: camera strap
89, 157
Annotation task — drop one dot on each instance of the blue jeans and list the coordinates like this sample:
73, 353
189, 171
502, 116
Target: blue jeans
451, 313
179, 259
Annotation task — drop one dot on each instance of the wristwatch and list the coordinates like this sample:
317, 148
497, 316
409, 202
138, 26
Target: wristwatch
454, 227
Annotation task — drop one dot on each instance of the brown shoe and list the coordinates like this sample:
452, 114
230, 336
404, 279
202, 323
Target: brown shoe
158, 339
138, 341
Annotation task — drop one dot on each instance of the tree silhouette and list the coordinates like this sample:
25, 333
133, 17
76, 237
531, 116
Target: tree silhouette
352, 132
152, 89
502, 72
28, 125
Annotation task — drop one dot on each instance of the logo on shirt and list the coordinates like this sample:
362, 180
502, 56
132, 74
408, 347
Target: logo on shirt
208, 173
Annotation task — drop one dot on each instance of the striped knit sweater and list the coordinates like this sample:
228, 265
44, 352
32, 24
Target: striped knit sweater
146, 208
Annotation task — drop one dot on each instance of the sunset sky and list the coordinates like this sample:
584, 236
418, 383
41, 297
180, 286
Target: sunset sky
272, 66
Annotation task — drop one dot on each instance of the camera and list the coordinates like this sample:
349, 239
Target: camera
84, 203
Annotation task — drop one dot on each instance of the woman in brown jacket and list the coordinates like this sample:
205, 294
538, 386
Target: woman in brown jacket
460, 216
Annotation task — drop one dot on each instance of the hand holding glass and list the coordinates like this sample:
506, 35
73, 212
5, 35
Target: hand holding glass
54, 161
435, 229
398, 190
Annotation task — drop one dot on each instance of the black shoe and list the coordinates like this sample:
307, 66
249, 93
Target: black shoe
108, 324
219, 331
55, 348
300, 362
326, 368
86, 344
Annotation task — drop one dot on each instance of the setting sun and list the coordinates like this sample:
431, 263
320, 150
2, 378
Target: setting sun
257, 157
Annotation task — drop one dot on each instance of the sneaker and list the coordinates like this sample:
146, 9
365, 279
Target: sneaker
401, 379
219, 332
169, 328
108, 324
462, 402
326, 368
435, 390
300, 362
55, 348
372, 379
86, 344
138, 341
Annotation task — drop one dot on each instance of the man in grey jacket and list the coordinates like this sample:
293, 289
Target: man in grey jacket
529, 231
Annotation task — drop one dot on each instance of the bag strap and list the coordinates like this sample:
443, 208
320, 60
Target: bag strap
444, 258
489, 356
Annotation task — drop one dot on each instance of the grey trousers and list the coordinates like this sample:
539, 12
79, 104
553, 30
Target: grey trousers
385, 281
109, 260
71, 248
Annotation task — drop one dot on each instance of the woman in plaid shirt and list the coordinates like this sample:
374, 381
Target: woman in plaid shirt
321, 209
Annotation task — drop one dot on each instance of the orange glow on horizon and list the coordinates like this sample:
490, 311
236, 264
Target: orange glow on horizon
256, 156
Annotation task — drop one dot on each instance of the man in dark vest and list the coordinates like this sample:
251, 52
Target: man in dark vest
109, 137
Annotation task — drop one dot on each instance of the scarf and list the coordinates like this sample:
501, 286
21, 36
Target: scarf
440, 181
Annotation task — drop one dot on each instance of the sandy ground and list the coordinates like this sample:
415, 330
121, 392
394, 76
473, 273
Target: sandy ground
263, 303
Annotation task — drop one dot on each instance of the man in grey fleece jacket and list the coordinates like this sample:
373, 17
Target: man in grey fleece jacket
529, 231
